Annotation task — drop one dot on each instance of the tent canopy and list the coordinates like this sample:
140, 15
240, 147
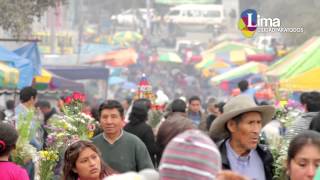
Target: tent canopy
119, 58
48, 80
300, 60
79, 72
9, 76
246, 69
307, 81
24, 65
231, 52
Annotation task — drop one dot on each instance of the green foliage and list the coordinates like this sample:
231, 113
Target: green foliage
154, 118
26, 128
279, 145
18, 15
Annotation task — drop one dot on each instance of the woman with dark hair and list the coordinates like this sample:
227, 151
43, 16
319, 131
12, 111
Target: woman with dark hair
171, 127
82, 161
8, 140
315, 123
303, 156
137, 125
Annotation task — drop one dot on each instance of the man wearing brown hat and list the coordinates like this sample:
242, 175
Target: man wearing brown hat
239, 127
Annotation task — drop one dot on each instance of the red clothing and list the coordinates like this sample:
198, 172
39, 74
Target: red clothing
11, 171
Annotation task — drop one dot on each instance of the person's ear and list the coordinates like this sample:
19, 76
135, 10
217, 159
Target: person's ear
232, 126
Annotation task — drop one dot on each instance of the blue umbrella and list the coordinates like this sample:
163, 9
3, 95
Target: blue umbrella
115, 80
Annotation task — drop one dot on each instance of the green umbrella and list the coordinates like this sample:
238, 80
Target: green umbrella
170, 57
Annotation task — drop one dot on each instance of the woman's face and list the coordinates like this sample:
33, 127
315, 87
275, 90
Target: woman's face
304, 165
88, 165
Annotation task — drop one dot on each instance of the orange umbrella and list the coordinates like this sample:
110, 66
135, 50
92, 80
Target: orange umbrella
120, 58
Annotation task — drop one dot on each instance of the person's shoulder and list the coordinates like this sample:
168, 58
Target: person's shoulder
17, 169
264, 148
131, 137
97, 137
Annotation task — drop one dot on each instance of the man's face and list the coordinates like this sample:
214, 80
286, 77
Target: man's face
214, 110
33, 100
246, 133
194, 106
45, 110
111, 121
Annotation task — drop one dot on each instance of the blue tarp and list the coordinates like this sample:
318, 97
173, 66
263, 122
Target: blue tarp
31, 52
80, 72
24, 65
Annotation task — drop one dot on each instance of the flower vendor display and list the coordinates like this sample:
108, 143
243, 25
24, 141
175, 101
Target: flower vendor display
47, 162
24, 151
63, 130
279, 146
72, 125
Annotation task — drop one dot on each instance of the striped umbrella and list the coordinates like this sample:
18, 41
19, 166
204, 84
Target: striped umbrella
127, 37
9, 77
230, 51
42, 82
170, 57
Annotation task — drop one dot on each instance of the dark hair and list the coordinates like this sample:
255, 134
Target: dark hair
178, 105
220, 106
72, 154
194, 98
171, 127
303, 98
243, 85
315, 123
145, 102
10, 104
298, 142
8, 138
139, 112
313, 102
43, 104
111, 104
27, 93
210, 120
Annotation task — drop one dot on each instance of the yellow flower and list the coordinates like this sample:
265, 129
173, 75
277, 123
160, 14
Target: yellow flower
59, 135
90, 134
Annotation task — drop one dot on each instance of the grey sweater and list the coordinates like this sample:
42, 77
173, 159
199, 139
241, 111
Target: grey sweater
127, 154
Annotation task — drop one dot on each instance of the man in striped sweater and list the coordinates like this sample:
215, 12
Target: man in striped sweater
311, 103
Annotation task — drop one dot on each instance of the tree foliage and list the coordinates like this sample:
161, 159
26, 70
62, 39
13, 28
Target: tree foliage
17, 15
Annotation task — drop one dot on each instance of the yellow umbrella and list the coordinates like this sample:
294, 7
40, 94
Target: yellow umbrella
127, 36
44, 78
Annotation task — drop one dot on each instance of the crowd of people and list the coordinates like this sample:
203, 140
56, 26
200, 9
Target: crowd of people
222, 142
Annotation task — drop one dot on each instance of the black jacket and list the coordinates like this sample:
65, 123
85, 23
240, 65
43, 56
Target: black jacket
263, 152
145, 133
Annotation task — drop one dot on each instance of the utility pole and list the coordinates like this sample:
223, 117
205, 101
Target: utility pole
148, 23
52, 31
80, 30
